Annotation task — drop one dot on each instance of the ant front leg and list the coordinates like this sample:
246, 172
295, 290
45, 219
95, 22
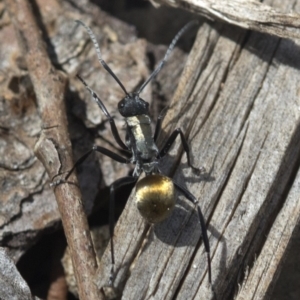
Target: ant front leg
194, 200
115, 186
185, 145
102, 150
105, 111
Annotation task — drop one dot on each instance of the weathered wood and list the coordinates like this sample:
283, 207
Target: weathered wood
13, 286
27, 203
53, 147
238, 104
249, 14
267, 266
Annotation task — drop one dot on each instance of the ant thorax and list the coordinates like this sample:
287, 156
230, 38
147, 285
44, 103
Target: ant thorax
141, 138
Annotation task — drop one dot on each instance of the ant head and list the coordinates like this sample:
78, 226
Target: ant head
132, 105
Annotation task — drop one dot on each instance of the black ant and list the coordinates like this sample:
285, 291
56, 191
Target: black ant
155, 193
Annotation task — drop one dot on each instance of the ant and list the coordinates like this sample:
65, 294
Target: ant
155, 193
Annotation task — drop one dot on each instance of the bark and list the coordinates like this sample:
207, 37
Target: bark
238, 104
54, 147
248, 14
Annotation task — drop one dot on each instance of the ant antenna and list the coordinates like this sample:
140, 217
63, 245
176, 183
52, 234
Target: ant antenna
103, 63
171, 47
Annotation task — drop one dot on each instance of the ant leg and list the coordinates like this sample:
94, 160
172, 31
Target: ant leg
186, 148
159, 122
116, 185
102, 150
104, 110
193, 199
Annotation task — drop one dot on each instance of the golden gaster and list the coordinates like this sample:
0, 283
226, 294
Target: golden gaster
155, 197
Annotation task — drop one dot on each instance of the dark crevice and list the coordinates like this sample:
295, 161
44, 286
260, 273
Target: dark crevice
277, 196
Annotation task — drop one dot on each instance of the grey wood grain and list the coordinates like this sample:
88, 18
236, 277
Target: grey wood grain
238, 105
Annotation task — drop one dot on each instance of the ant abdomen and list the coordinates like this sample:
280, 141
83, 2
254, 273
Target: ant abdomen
155, 197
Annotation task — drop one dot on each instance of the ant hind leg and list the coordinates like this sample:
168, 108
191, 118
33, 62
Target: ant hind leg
194, 200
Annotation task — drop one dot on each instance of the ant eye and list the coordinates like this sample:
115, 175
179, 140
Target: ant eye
121, 104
